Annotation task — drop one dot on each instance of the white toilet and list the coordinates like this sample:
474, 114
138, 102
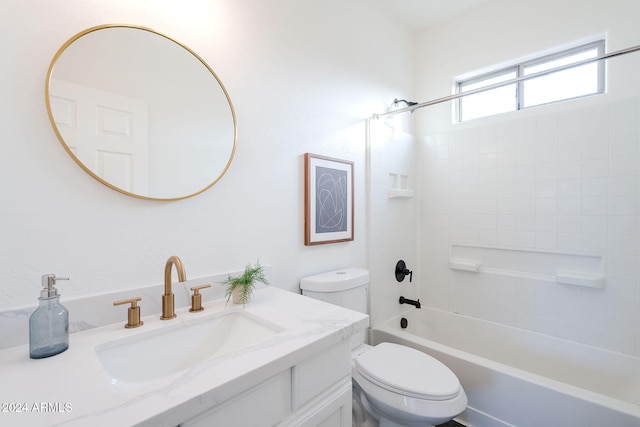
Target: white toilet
393, 385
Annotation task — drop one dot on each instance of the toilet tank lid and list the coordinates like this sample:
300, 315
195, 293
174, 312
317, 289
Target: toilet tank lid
335, 281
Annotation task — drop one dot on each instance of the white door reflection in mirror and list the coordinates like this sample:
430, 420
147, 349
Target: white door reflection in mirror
107, 132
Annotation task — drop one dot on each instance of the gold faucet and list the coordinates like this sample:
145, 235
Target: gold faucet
168, 311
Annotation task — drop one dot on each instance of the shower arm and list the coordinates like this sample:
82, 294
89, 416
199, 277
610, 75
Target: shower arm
507, 82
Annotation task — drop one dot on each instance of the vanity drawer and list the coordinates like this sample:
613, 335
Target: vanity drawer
332, 410
318, 373
264, 405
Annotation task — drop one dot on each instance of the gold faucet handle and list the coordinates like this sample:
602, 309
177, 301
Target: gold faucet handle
196, 298
133, 312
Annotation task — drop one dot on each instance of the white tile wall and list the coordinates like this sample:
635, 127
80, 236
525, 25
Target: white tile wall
561, 181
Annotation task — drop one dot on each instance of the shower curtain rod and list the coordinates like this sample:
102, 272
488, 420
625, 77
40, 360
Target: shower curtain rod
508, 82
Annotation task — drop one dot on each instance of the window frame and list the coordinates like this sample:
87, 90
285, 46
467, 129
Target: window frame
519, 69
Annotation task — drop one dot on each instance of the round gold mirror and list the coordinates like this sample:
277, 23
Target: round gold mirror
140, 112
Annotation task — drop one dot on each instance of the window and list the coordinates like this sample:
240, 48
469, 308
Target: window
586, 79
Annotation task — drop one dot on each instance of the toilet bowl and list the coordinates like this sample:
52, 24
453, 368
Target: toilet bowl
393, 385
400, 386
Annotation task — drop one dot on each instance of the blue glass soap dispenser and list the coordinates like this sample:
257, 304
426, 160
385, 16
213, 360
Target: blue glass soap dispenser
49, 324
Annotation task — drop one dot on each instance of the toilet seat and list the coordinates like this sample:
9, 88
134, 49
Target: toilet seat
409, 372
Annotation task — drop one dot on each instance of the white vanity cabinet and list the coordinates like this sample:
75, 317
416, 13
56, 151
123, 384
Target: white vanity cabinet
314, 392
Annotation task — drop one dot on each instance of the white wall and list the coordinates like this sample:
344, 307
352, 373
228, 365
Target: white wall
302, 76
393, 221
562, 177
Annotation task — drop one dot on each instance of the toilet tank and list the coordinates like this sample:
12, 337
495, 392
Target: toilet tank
346, 288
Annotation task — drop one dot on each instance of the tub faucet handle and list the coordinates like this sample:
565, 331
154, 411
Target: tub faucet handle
402, 271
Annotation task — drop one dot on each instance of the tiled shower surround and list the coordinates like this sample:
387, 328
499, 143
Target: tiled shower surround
566, 181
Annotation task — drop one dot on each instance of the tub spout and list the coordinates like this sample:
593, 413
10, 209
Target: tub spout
415, 303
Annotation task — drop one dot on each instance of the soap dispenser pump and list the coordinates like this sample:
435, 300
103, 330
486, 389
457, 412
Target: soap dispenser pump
49, 324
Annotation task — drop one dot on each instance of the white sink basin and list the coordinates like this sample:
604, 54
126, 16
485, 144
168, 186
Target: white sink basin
174, 348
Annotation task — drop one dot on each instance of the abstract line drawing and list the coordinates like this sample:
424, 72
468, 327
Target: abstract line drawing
328, 200
331, 200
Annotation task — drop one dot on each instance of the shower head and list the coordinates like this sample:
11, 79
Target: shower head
409, 103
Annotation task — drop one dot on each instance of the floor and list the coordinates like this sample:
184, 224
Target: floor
450, 424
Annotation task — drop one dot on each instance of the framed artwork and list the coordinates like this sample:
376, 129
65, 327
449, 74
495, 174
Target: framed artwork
328, 200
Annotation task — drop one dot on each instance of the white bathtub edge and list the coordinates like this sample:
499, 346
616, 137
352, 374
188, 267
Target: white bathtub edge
472, 417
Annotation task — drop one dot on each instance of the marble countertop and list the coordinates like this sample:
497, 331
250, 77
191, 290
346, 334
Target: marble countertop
73, 388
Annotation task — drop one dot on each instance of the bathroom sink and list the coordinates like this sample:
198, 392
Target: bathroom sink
146, 357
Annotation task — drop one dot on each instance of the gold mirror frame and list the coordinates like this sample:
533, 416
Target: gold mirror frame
88, 170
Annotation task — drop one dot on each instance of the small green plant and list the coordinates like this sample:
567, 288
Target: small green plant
241, 287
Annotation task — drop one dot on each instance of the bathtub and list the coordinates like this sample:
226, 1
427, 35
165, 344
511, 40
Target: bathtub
515, 377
